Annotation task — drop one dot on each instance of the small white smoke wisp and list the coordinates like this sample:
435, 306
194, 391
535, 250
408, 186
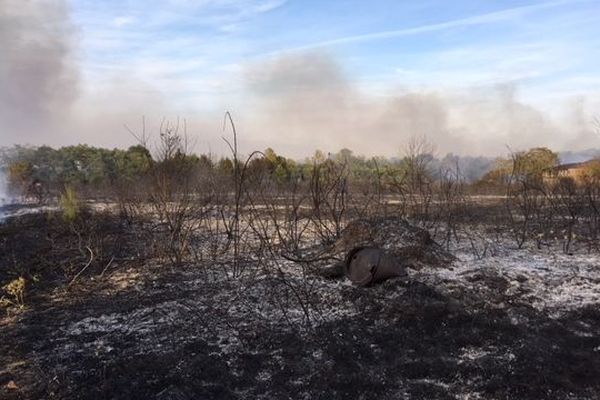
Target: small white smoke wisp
6, 199
3, 189
3, 195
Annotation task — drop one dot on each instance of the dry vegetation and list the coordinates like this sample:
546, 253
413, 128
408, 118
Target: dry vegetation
196, 282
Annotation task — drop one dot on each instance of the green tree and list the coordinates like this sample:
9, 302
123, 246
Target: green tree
531, 164
20, 175
225, 166
319, 157
525, 166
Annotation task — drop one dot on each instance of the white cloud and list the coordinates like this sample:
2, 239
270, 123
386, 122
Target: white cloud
123, 21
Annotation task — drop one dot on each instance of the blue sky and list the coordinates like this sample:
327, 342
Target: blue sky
474, 76
204, 45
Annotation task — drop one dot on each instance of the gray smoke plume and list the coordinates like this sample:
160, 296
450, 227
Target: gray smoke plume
38, 81
305, 101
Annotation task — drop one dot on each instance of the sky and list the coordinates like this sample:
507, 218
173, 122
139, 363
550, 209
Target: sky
474, 77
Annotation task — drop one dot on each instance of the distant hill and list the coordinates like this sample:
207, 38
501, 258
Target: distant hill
578, 156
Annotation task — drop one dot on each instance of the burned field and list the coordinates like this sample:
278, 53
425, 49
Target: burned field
495, 322
276, 199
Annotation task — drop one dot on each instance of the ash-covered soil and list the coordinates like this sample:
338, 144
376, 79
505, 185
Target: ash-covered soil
523, 324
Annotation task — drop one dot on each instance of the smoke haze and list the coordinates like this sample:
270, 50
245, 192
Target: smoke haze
38, 78
306, 101
295, 103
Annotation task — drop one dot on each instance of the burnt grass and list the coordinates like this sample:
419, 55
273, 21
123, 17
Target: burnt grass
410, 345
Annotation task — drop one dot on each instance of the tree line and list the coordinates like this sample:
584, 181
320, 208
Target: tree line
41, 172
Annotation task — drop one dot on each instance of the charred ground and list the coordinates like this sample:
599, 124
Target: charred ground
497, 327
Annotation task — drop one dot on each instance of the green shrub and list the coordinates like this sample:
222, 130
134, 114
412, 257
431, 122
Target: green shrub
69, 204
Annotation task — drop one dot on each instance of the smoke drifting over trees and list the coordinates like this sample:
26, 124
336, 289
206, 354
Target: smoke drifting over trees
307, 100
294, 102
